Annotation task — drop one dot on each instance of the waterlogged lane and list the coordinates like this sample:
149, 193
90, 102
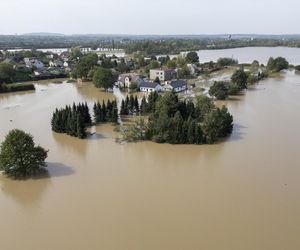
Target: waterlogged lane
240, 194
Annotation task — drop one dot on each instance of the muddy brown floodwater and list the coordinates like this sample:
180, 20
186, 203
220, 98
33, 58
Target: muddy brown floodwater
239, 194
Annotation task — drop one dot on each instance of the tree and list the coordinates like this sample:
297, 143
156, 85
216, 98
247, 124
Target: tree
192, 57
297, 67
219, 90
277, 64
103, 78
217, 124
204, 105
252, 79
75, 53
171, 64
144, 106
81, 133
6, 72
224, 61
84, 65
233, 89
254, 66
240, 78
152, 65
183, 72
19, 157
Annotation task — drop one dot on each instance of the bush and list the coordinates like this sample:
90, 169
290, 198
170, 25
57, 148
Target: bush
233, 89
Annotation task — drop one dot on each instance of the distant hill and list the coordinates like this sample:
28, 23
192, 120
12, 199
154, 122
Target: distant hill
43, 34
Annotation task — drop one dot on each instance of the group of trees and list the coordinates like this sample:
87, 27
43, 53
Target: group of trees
179, 122
6, 72
192, 57
226, 61
19, 157
106, 112
148, 104
130, 105
277, 64
72, 120
83, 66
221, 90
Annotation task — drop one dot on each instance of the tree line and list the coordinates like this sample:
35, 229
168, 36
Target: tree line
106, 112
241, 79
130, 105
74, 120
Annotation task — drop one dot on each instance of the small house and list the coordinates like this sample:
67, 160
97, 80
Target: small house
176, 86
150, 87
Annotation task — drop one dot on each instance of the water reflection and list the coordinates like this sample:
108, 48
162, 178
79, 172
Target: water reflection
58, 170
70, 144
25, 192
29, 192
237, 133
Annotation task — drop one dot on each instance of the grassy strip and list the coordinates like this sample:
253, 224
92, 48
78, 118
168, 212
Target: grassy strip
15, 87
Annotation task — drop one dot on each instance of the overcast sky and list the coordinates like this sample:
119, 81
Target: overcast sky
150, 16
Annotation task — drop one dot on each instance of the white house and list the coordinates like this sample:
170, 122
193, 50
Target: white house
150, 87
176, 86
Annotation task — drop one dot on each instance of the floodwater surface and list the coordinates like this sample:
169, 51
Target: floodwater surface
239, 194
249, 54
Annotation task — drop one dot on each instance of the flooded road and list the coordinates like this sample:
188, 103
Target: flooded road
239, 194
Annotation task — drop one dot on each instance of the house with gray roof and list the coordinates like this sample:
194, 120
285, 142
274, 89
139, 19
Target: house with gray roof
176, 86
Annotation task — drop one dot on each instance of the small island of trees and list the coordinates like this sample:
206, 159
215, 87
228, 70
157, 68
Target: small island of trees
179, 122
74, 120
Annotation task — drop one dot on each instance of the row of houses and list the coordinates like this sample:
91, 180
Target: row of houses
174, 85
166, 78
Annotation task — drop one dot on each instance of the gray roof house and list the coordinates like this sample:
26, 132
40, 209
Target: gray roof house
176, 86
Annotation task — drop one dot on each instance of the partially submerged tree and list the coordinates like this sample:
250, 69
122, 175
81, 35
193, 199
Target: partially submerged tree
277, 64
240, 78
19, 157
219, 90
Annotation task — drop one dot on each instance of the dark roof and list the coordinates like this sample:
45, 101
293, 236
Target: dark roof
178, 84
148, 85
